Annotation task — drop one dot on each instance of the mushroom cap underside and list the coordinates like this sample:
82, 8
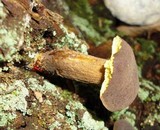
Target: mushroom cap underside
123, 86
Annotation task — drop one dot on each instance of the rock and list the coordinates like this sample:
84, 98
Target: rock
135, 12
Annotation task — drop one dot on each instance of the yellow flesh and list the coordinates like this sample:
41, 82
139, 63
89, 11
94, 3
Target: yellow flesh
116, 46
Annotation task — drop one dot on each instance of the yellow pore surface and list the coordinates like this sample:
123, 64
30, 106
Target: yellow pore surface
116, 46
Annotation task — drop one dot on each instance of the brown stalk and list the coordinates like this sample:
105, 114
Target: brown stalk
72, 65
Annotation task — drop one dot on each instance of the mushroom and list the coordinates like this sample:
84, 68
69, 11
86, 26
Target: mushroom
118, 75
121, 83
122, 125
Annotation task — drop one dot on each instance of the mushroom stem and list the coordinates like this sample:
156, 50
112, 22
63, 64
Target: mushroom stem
72, 65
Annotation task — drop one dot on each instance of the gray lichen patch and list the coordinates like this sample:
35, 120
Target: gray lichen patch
76, 113
87, 120
12, 98
6, 118
35, 85
71, 41
12, 37
8, 43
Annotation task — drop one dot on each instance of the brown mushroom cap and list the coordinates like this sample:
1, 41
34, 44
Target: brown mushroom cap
123, 84
122, 125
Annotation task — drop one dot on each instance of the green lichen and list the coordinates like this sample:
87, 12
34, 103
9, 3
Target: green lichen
8, 42
149, 91
44, 86
86, 122
12, 39
71, 41
35, 85
12, 98
66, 95
143, 95
6, 118
71, 114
